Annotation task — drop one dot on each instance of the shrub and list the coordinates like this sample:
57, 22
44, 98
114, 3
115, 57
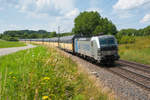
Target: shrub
13, 39
8, 38
125, 39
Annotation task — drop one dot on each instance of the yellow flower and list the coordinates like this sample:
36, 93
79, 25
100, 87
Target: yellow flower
43, 83
46, 78
14, 77
45, 97
10, 73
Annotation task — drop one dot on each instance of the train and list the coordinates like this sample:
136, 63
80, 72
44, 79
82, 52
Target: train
100, 48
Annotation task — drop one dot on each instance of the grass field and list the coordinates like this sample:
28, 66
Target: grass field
7, 44
43, 73
138, 52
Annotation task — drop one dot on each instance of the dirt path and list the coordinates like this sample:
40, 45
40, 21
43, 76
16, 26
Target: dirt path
6, 51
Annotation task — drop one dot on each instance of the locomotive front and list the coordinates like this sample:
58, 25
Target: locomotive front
108, 50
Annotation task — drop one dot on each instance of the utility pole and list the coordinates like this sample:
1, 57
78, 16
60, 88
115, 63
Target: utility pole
58, 35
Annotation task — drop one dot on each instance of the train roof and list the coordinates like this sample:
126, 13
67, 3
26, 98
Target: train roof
67, 38
105, 36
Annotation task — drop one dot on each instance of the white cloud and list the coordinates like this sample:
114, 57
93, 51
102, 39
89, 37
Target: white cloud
129, 4
66, 22
94, 6
4, 27
129, 8
8, 3
37, 15
123, 14
65, 25
95, 9
51, 7
146, 18
56, 12
72, 13
41, 3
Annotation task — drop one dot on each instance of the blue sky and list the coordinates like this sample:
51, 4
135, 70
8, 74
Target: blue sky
49, 14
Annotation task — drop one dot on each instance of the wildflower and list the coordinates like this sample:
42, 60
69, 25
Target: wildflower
46, 78
10, 73
43, 83
14, 77
45, 97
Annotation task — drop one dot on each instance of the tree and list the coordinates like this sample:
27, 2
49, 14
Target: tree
146, 30
128, 32
1, 35
88, 23
53, 34
106, 27
21, 34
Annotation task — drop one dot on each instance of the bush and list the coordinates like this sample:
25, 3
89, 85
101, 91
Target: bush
125, 39
8, 38
13, 39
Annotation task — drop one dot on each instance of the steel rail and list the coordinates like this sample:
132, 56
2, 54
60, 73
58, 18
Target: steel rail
113, 70
134, 65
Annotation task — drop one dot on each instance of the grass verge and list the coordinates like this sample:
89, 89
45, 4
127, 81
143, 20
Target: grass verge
43, 73
138, 51
7, 44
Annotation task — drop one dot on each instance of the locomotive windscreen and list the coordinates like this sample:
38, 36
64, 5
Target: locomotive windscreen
107, 41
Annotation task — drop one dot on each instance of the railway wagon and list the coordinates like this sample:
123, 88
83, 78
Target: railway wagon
67, 43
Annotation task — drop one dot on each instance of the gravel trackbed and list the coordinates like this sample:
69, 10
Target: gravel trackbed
124, 89
6, 51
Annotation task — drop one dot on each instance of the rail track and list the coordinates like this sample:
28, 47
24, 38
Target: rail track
135, 65
140, 80
136, 78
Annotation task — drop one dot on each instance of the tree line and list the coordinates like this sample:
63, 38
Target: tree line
29, 34
92, 23
128, 35
134, 32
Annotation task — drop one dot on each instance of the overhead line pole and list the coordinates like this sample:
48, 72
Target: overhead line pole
58, 35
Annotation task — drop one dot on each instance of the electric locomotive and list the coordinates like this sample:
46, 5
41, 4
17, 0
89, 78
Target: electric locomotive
103, 48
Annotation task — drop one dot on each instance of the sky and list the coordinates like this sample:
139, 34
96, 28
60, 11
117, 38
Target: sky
49, 14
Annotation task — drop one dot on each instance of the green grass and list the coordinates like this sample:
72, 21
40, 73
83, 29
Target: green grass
43, 73
7, 44
138, 51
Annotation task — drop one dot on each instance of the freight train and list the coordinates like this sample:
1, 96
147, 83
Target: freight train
102, 48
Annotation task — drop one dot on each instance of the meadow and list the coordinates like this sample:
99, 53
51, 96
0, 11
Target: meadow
138, 51
7, 44
43, 73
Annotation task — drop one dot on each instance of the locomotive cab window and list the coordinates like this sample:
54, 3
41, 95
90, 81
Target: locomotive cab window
107, 41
